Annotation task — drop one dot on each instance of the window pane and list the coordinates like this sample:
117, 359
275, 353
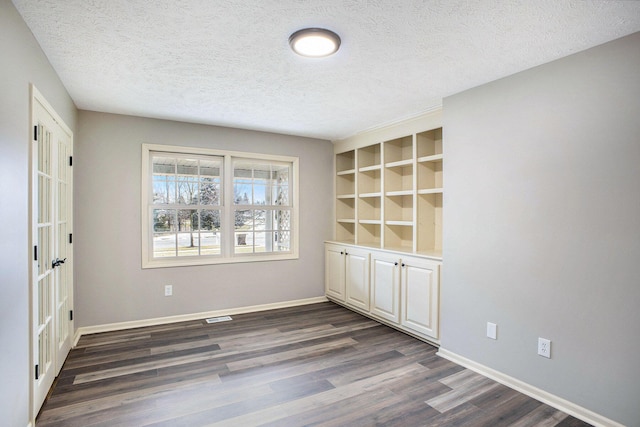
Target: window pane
209, 220
209, 192
242, 170
260, 220
187, 181
164, 165
210, 168
164, 180
281, 174
188, 239
243, 242
188, 192
243, 220
281, 220
242, 194
282, 237
263, 241
260, 195
282, 241
187, 167
164, 239
280, 195
209, 232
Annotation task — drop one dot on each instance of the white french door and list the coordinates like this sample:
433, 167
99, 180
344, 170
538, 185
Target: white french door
51, 238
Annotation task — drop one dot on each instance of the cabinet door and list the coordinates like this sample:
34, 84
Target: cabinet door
357, 278
420, 295
385, 286
334, 259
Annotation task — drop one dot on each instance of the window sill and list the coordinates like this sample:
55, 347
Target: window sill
193, 262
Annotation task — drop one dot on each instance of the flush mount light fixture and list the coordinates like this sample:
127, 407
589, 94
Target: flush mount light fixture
314, 42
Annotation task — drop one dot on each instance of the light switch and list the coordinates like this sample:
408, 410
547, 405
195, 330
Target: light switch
492, 331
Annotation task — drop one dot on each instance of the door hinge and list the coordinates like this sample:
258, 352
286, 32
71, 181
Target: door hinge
35, 133
37, 372
70, 238
35, 253
70, 160
70, 314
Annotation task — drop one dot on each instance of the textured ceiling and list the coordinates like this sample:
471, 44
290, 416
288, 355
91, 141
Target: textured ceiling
227, 62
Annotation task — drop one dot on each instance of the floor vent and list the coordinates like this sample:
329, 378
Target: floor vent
219, 319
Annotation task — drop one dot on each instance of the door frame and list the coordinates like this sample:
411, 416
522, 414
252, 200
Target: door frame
35, 97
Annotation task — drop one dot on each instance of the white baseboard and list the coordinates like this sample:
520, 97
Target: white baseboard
563, 405
85, 330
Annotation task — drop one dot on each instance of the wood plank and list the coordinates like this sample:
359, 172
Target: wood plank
318, 364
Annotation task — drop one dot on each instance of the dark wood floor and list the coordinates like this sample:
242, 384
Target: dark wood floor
313, 365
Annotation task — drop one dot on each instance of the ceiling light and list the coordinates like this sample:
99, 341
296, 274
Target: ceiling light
314, 42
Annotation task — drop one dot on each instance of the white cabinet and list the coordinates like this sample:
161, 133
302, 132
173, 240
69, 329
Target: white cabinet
385, 286
398, 289
347, 275
334, 272
357, 277
420, 295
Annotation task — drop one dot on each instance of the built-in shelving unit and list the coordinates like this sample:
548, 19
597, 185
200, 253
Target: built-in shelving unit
389, 188
346, 196
386, 258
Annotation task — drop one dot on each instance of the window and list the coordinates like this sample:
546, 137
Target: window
261, 211
206, 206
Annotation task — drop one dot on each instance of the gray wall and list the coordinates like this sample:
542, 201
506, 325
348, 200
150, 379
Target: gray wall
23, 62
110, 283
542, 226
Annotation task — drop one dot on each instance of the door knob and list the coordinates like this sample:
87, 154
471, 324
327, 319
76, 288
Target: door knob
55, 263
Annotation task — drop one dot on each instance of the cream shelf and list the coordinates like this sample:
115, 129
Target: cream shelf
370, 168
389, 188
369, 221
369, 195
434, 158
430, 191
400, 163
399, 193
347, 172
400, 223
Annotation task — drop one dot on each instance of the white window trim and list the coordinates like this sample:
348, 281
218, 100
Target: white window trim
227, 256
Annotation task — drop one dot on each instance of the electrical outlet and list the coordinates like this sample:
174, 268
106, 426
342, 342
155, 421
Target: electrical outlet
492, 331
168, 290
544, 347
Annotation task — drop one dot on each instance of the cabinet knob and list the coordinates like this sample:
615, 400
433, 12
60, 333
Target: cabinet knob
341, 253
403, 264
346, 253
395, 263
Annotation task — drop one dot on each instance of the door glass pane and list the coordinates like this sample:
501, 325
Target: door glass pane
44, 150
62, 241
44, 253
62, 161
44, 198
62, 201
